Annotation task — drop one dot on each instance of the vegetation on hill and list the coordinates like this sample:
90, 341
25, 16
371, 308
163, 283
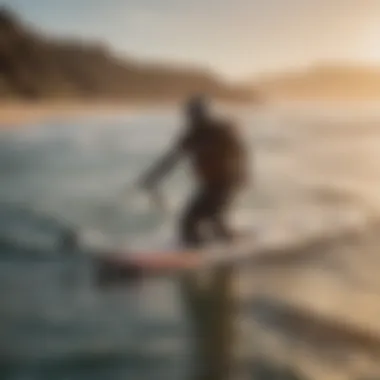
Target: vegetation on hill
35, 67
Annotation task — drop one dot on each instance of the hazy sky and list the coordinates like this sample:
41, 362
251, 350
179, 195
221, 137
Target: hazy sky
237, 38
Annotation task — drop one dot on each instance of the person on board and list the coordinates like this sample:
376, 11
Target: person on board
219, 162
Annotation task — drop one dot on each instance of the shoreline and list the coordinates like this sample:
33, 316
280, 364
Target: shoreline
15, 114
18, 113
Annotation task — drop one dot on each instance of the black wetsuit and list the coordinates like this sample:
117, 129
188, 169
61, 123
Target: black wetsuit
218, 159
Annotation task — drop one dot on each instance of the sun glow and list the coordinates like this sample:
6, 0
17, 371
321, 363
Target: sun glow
372, 48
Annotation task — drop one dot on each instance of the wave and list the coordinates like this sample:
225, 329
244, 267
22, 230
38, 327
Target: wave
26, 231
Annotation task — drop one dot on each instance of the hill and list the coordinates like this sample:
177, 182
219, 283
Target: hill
33, 66
333, 81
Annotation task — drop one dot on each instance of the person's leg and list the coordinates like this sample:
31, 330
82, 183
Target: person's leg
220, 200
193, 217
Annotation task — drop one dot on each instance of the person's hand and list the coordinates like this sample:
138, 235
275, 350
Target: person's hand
146, 184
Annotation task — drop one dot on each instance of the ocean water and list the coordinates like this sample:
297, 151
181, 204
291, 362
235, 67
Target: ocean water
315, 170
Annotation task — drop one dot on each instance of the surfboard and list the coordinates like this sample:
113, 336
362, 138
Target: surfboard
130, 265
133, 264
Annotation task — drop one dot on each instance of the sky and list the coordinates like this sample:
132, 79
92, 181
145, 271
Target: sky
236, 38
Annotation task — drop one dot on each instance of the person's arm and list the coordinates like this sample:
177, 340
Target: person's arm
162, 167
